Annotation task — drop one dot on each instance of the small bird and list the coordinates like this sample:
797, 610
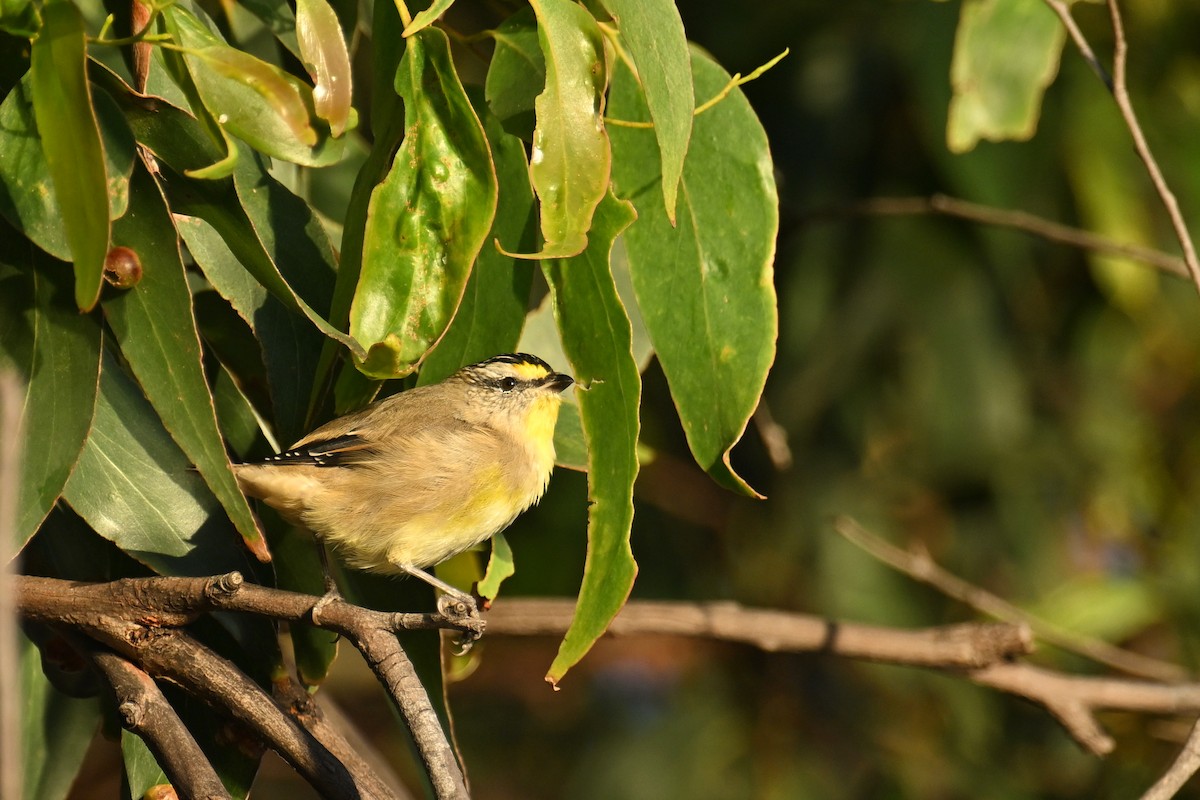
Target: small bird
423, 475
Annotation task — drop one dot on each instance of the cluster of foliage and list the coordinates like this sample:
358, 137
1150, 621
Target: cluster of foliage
272, 212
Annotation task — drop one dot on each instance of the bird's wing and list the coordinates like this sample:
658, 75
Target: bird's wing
336, 451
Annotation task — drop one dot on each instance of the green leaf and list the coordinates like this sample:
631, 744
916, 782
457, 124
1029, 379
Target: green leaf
324, 53
658, 45
273, 234
516, 74
256, 101
27, 198
154, 325
55, 351
705, 286
62, 105
492, 311
136, 488
20, 18
1006, 53
289, 345
429, 218
427, 17
500, 566
142, 771
597, 337
55, 730
571, 158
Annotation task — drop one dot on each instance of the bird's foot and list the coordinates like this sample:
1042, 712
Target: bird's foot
461, 610
331, 594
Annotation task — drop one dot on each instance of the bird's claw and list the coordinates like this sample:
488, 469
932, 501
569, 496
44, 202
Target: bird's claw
463, 613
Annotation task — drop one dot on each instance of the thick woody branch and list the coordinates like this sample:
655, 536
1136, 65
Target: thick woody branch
147, 713
126, 615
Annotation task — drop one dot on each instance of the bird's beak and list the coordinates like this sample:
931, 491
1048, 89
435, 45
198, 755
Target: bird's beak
558, 382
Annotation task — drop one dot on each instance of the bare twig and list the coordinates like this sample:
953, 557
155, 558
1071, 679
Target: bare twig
1016, 220
147, 713
1073, 700
918, 564
954, 646
1120, 92
1063, 10
1121, 95
1186, 765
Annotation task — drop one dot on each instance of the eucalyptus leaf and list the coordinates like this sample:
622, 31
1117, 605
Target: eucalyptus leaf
55, 352
599, 343
427, 220
570, 160
1006, 53
492, 311
136, 488
27, 196
62, 105
653, 32
705, 286
154, 325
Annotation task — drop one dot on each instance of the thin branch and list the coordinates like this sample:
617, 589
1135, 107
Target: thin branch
919, 566
1005, 218
145, 712
1063, 10
1186, 765
1121, 94
1073, 700
967, 646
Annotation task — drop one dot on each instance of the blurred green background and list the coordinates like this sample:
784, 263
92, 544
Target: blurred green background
1025, 411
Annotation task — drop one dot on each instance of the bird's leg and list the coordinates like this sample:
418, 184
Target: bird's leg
454, 603
456, 606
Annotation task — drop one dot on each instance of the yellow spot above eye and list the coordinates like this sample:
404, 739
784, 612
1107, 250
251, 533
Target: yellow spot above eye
529, 372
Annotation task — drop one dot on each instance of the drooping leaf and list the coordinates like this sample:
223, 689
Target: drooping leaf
387, 128
55, 730
570, 159
1006, 53
500, 566
27, 198
154, 325
55, 352
429, 218
516, 74
62, 105
256, 101
598, 340
324, 53
705, 286
492, 311
136, 488
653, 32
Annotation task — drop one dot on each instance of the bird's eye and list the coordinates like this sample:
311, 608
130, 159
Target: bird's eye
508, 384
